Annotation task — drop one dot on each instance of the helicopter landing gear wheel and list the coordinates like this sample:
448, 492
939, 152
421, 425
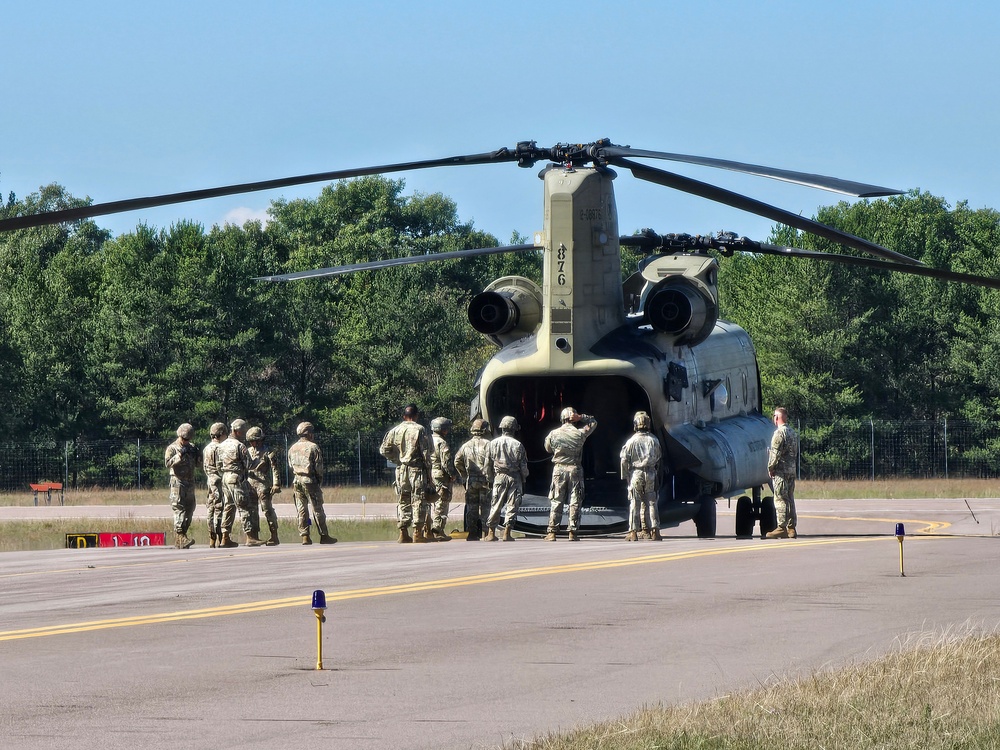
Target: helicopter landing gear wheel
768, 516
744, 517
704, 521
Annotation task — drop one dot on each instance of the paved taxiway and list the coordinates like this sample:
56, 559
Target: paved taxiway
464, 645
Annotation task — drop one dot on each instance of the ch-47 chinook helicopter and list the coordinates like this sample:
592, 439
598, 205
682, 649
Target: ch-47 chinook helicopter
582, 338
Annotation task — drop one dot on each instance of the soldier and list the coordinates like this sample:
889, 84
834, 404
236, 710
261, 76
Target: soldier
181, 457
306, 461
565, 443
264, 480
234, 460
443, 477
213, 475
506, 468
782, 466
469, 464
407, 446
640, 458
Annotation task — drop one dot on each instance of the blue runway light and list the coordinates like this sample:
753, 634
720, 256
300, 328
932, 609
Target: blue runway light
319, 599
899, 530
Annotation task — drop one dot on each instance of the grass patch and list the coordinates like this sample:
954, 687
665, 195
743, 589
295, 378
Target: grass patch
933, 691
97, 496
895, 489
18, 536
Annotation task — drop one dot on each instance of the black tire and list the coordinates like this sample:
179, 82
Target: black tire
704, 521
768, 516
744, 518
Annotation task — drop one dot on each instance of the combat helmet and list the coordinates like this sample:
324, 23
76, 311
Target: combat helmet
238, 425
255, 433
304, 428
567, 414
641, 422
509, 424
479, 427
185, 431
218, 430
440, 423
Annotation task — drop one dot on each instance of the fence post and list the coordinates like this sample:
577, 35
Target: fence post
138, 463
66, 464
360, 480
946, 447
872, 421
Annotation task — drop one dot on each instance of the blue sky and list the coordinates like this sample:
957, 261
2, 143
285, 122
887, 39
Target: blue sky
116, 100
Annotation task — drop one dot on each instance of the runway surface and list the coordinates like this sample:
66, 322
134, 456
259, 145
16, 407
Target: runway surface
464, 644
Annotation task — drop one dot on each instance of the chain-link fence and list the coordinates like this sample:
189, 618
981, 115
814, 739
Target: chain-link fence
861, 449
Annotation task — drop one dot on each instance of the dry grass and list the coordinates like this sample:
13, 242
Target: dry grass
97, 496
933, 691
17, 536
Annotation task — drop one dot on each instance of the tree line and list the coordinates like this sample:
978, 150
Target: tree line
128, 336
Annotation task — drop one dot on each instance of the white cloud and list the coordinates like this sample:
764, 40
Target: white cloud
240, 216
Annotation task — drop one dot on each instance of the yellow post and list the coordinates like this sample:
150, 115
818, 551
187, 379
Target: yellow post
319, 607
899, 535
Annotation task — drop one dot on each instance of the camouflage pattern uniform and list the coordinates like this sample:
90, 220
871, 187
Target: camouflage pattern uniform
782, 465
469, 463
506, 467
443, 476
234, 460
565, 443
640, 464
407, 446
181, 457
306, 461
213, 475
264, 480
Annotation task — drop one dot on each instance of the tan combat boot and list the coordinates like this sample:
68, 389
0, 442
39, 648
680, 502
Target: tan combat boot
506, 534
418, 535
491, 535
273, 541
187, 541
550, 537
226, 542
211, 541
404, 537
644, 534
656, 536
632, 537
306, 539
573, 537
778, 533
253, 541
791, 532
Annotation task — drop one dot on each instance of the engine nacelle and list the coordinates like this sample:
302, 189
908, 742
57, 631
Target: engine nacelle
508, 309
680, 296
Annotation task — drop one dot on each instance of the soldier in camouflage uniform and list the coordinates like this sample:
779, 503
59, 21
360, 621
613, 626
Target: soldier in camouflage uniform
213, 475
443, 477
306, 461
265, 480
469, 464
181, 457
506, 468
640, 459
407, 446
565, 443
234, 460
782, 466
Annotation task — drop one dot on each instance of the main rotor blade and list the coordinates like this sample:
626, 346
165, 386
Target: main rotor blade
742, 202
833, 184
134, 204
389, 262
881, 265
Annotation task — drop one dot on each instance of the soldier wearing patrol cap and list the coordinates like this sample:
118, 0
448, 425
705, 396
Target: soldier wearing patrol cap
265, 480
469, 464
565, 443
306, 461
507, 469
181, 457
406, 445
213, 476
442, 477
640, 466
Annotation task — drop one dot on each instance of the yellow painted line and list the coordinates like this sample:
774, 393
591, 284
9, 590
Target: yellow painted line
406, 588
928, 527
